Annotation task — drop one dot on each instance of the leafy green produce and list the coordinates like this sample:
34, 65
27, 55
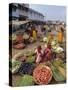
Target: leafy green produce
48, 63
57, 62
26, 80
63, 65
57, 74
30, 59
62, 70
15, 65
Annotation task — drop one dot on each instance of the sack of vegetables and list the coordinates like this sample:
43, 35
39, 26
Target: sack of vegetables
42, 74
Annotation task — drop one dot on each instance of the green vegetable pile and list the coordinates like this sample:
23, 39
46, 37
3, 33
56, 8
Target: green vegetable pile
30, 59
14, 65
26, 80
58, 68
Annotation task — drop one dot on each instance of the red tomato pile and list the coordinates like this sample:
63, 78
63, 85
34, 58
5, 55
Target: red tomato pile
42, 74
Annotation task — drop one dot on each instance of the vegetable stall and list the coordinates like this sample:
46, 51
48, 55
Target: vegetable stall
50, 67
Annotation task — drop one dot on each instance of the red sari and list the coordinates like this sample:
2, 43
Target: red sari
39, 55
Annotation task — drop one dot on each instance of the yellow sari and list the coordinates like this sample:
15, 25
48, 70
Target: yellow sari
34, 35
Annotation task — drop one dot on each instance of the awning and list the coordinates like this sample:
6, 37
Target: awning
19, 22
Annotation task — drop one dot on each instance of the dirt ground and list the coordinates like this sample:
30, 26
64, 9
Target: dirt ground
28, 47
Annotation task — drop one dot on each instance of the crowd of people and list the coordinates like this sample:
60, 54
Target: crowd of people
34, 32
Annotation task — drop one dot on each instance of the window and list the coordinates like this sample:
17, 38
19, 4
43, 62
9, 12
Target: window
19, 6
14, 8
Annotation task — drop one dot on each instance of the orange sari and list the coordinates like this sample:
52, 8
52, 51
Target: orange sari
60, 37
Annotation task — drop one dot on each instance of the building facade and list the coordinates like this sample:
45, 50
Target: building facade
23, 12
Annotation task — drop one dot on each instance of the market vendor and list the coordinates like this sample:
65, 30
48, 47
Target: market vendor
34, 33
48, 52
51, 36
39, 54
60, 36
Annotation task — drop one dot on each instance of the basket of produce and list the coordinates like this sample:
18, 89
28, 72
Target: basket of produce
26, 80
26, 68
19, 46
20, 57
42, 74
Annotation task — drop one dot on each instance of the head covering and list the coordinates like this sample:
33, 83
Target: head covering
39, 49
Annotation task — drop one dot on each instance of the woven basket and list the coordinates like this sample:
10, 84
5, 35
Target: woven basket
40, 67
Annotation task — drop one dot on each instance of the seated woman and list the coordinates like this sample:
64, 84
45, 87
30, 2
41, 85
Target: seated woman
48, 52
39, 54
